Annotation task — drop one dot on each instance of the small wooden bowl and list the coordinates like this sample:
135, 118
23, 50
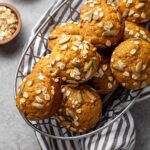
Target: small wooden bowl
15, 11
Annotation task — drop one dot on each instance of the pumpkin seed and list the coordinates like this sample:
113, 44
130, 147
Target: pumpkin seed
139, 6
87, 66
89, 73
69, 118
61, 118
94, 63
139, 66
100, 46
131, 12
72, 85
52, 37
70, 113
79, 97
110, 33
72, 82
119, 17
90, 95
117, 67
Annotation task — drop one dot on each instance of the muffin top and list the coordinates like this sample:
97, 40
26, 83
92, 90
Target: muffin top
135, 10
74, 59
43, 66
133, 30
101, 24
38, 96
103, 82
69, 28
81, 108
130, 63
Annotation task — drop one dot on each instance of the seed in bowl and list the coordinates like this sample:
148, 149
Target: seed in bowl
8, 23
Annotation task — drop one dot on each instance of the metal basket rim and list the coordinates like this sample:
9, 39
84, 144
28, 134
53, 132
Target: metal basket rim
28, 122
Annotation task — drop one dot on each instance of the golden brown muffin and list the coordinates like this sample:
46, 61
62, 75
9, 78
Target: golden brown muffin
43, 66
81, 108
101, 24
104, 82
74, 59
137, 11
132, 30
130, 63
70, 28
38, 97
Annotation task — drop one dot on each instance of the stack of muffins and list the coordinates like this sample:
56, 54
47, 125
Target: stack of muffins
89, 58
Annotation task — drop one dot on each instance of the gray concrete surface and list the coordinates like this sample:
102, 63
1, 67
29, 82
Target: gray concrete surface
14, 133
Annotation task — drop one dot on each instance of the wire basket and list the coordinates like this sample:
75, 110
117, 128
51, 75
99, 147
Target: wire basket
115, 104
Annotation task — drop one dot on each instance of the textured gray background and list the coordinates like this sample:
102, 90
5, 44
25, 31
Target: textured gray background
14, 133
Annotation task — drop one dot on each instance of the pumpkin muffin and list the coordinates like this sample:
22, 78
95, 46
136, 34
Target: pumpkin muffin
101, 24
70, 28
132, 30
103, 82
74, 59
130, 63
137, 11
38, 97
43, 66
81, 108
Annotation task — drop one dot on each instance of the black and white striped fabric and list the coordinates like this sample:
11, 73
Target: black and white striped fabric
118, 136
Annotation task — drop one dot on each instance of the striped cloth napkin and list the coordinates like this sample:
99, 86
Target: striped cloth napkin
118, 136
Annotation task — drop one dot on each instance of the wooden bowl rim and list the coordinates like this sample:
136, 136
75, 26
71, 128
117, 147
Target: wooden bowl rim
16, 12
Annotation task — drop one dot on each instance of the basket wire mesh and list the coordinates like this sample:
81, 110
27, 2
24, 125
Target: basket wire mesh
115, 104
